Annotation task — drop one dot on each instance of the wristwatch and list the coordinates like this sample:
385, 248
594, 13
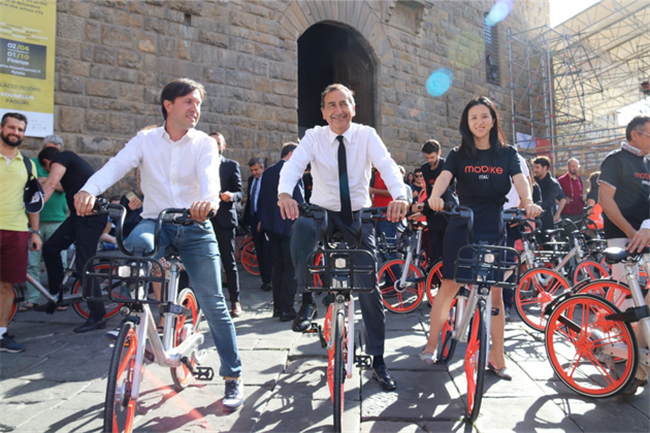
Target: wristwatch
35, 232
401, 197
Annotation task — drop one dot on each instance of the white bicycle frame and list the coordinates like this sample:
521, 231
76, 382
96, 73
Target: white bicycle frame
164, 354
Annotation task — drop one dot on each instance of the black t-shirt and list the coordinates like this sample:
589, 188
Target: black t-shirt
593, 194
630, 175
416, 188
77, 173
485, 179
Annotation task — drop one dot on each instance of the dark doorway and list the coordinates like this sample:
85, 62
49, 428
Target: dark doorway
330, 54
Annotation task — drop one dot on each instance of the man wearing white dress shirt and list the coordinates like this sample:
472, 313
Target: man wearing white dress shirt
341, 155
180, 169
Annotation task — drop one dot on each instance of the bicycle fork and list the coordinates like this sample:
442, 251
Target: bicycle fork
464, 313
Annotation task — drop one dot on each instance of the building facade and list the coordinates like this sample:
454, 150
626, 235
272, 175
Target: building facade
264, 64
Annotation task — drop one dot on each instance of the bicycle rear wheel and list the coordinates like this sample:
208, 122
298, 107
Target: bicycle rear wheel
589, 270
592, 355
14, 305
475, 358
249, 259
536, 289
185, 326
340, 352
434, 279
400, 296
119, 407
112, 307
447, 345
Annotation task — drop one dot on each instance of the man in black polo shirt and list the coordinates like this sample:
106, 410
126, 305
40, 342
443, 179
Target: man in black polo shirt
624, 196
437, 223
72, 172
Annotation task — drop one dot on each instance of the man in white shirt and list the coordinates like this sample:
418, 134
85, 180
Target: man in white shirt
180, 169
342, 189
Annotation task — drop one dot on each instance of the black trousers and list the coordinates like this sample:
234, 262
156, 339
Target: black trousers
226, 240
283, 276
84, 232
437, 224
262, 250
304, 235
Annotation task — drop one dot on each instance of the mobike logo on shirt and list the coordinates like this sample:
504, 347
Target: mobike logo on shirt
483, 170
643, 176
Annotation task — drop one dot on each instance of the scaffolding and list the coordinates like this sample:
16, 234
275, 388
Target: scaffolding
567, 82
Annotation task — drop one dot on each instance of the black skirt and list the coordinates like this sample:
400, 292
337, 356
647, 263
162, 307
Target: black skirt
487, 220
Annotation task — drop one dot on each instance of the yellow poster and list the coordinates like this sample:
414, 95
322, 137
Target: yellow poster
27, 40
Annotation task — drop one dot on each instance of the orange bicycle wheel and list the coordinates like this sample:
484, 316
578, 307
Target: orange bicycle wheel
249, 259
15, 304
475, 358
119, 407
589, 270
112, 307
434, 279
592, 355
400, 296
536, 289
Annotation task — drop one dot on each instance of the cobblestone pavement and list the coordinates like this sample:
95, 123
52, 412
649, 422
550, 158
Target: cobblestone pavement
58, 384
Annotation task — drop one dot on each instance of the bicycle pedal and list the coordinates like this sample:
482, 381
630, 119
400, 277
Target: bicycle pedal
313, 328
203, 373
363, 361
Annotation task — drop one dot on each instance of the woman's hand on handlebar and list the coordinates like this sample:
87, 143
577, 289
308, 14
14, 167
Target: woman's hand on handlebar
84, 203
533, 210
437, 204
288, 206
200, 210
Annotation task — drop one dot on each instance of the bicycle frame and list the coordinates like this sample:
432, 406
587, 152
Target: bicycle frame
465, 311
410, 254
336, 306
164, 354
631, 272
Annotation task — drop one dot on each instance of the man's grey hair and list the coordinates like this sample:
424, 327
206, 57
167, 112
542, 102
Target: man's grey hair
54, 139
349, 94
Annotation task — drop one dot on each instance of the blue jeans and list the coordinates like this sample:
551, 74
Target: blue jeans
198, 249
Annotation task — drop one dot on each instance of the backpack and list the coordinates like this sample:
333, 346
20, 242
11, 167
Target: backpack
33, 196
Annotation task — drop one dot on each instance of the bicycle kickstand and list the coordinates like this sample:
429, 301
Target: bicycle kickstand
200, 373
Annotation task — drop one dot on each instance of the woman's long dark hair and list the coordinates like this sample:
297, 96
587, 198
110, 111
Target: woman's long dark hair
497, 137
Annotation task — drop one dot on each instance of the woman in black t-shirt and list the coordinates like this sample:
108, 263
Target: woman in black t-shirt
483, 166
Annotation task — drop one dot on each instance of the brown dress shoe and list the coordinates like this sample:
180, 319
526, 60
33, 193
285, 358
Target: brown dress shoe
236, 309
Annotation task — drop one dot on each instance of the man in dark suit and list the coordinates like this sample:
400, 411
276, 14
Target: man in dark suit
278, 231
252, 219
225, 221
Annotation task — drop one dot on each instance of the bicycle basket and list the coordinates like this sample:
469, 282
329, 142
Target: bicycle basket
341, 270
121, 279
487, 264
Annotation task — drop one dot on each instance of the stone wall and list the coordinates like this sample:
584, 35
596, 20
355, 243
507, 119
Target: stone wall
114, 57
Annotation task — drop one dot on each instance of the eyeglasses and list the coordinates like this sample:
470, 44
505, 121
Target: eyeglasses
418, 175
644, 133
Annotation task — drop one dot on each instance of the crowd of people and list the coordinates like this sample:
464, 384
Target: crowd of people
332, 166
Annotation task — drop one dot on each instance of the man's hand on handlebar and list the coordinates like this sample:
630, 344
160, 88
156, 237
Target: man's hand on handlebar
288, 206
396, 210
84, 203
200, 210
639, 241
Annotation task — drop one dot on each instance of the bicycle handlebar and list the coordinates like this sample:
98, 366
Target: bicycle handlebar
117, 213
320, 214
456, 210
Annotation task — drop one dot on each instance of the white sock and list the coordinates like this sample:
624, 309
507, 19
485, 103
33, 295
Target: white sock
2, 332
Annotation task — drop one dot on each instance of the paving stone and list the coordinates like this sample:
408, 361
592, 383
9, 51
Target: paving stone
304, 415
390, 427
450, 426
621, 417
308, 378
417, 397
523, 414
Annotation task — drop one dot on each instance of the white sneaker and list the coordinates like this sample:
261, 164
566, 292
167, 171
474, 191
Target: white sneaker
234, 396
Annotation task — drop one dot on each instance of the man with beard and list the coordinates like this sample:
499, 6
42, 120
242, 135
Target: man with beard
225, 222
14, 234
550, 191
573, 190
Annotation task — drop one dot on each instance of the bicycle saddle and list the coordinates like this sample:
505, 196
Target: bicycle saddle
618, 254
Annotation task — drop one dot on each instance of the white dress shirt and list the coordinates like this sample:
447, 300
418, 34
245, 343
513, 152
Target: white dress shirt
174, 174
512, 198
362, 147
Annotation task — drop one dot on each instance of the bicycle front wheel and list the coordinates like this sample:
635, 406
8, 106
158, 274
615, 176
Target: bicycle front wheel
185, 326
589, 270
592, 355
434, 280
475, 357
400, 296
340, 352
119, 407
447, 345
